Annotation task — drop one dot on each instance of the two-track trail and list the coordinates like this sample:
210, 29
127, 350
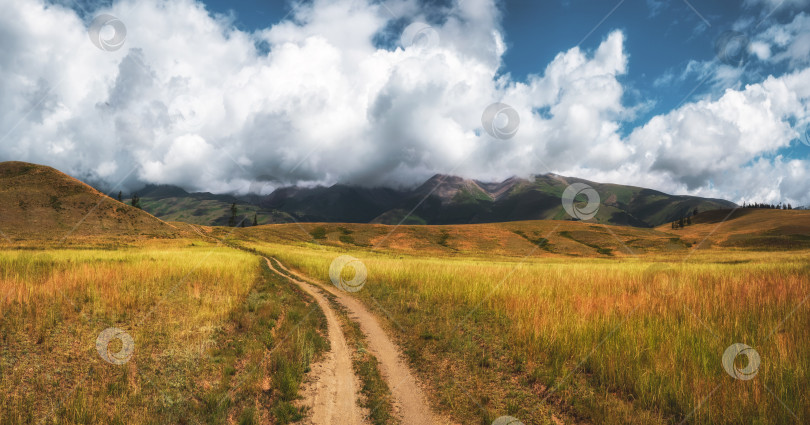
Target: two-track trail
410, 403
332, 395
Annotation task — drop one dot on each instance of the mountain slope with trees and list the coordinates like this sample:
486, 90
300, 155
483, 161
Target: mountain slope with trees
442, 199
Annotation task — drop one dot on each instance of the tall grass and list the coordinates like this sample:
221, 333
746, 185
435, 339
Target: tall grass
607, 340
208, 324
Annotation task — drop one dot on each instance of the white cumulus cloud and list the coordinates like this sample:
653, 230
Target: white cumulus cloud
190, 100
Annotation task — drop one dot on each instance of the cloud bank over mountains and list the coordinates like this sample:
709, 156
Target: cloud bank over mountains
331, 94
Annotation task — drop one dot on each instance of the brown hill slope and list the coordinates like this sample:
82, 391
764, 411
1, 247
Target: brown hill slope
41, 203
748, 228
513, 239
743, 229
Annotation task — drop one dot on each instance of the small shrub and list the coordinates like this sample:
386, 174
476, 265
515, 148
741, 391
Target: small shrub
318, 233
443, 237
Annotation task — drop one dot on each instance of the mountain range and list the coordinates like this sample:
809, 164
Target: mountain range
40, 204
442, 199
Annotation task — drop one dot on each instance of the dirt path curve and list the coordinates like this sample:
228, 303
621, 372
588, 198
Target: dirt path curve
410, 402
332, 395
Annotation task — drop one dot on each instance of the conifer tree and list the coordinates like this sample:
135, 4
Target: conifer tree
234, 210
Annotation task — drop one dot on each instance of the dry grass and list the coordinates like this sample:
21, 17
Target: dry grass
39, 203
515, 239
538, 320
751, 228
208, 326
633, 340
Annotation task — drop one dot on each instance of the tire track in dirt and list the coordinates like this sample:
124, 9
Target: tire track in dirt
410, 402
332, 394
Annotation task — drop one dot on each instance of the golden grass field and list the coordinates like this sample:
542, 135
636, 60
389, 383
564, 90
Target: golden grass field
635, 339
201, 316
549, 322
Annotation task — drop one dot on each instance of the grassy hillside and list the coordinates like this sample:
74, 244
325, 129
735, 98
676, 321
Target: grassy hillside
209, 212
453, 200
760, 229
625, 205
41, 203
514, 239
745, 229
442, 199
171, 203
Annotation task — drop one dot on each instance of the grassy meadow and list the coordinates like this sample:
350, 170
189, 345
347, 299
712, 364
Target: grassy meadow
620, 340
217, 337
549, 322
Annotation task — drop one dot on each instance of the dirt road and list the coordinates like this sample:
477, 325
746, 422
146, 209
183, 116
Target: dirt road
332, 394
410, 402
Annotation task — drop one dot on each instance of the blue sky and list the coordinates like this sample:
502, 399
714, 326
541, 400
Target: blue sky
663, 37
212, 95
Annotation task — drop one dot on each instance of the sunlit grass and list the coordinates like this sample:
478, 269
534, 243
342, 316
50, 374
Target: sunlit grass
210, 331
218, 338
617, 340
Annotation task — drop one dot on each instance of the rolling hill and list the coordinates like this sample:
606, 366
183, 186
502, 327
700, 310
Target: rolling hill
762, 230
513, 239
41, 203
748, 228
